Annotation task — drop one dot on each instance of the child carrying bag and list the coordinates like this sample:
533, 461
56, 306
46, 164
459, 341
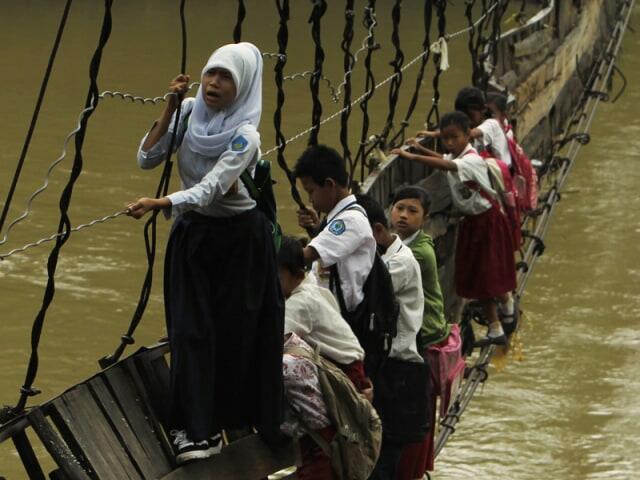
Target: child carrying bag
356, 445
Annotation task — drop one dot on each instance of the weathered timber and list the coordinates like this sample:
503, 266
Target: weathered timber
70, 466
76, 412
28, 457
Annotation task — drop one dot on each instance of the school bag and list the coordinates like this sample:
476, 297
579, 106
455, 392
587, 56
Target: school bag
503, 183
375, 321
356, 445
525, 178
260, 188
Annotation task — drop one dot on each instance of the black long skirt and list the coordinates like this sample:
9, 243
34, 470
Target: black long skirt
225, 319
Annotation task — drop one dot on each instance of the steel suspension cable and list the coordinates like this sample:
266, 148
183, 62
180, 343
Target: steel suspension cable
433, 117
319, 9
370, 85
426, 16
150, 227
396, 63
64, 226
283, 40
36, 113
237, 30
348, 64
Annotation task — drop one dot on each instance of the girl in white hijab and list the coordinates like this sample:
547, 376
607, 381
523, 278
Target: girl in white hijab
223, 304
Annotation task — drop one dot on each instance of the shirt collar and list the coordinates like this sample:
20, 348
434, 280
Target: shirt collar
409, 240
467, 149
393, 248
340, 206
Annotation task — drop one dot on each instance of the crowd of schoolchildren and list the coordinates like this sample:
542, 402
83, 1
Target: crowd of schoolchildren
359, 303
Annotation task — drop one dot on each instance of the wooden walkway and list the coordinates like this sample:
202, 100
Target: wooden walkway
113, 427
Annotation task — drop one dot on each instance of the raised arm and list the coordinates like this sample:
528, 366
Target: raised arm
431, 161
179, 86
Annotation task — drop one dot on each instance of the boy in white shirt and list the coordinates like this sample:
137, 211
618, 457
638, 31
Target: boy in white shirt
346, 239
312, 313
401, 388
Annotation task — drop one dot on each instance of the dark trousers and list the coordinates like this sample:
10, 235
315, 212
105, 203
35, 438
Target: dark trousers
388, 461
225, 317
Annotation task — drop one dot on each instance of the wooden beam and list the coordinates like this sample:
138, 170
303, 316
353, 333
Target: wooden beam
28, 457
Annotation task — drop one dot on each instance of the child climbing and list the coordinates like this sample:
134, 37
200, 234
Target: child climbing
312, 313
223, 302
344, 254
497, 104
484, 262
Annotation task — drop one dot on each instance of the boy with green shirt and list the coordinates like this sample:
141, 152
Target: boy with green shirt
408, 214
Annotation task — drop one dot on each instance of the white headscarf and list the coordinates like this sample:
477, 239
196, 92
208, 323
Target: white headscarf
211, 130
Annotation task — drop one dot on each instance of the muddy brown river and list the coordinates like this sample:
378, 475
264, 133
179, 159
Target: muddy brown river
568, 409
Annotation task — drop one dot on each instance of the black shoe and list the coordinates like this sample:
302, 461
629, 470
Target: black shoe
511, 326
188, 450
486, 341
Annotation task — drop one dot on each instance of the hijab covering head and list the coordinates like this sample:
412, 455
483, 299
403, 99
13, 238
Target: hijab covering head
211, 130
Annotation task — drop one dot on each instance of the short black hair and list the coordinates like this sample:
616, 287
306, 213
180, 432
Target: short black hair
374, 210
459, 119
414, 192
499, 100
320, 163
290, 255
471, 98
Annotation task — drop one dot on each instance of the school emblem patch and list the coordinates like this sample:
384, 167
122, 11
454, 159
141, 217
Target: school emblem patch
337, 227
239, 143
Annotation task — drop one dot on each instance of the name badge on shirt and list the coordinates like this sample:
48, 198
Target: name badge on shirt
239, 143
337, 227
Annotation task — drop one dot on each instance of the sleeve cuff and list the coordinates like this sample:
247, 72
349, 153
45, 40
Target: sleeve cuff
178, 205
325, 257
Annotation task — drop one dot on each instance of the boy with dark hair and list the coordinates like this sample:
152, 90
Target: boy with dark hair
410, 208
345, 239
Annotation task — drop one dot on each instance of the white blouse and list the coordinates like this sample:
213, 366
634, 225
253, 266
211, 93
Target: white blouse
206, 181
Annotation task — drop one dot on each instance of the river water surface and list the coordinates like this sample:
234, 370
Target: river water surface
567, 410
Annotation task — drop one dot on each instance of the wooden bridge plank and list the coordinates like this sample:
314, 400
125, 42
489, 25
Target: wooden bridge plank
84, 420
27, 455
139, 416
146, 463
247, 459
70, 465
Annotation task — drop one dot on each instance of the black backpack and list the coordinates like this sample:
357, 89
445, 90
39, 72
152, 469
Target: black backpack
375, 320
260, 187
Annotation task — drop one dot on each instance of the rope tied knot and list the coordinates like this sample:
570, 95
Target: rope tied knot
441, 48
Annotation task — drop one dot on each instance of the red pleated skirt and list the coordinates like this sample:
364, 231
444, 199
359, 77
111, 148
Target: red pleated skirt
485, 264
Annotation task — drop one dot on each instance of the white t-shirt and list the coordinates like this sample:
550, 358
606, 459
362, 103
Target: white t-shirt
493, 137
407, 285
347, 241
312, 313
471, 167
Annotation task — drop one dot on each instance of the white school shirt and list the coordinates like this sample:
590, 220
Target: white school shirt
312, 313
407, 285
347, 242
206, 180
493, 136
471, 168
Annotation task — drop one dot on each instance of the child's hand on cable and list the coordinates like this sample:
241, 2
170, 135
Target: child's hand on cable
400, 152
308, 218
179, 86
428, 133
138, 208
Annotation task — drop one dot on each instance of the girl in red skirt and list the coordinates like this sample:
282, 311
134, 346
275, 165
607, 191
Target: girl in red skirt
484, 265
